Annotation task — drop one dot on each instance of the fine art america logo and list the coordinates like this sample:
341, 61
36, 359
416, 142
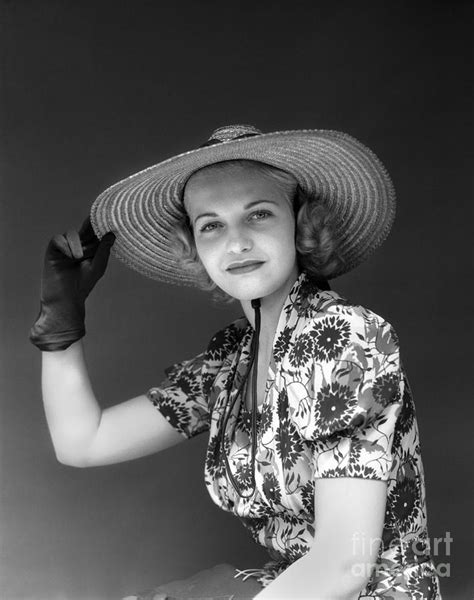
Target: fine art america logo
419, 549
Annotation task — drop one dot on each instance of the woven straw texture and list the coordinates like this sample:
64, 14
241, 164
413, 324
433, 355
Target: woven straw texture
143, 209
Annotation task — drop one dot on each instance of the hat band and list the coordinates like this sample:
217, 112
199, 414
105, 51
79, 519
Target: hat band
214, 141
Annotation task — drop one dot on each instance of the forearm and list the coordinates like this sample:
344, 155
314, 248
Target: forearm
318, 575
72, 411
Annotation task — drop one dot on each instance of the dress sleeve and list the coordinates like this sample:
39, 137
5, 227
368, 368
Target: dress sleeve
185, 396
355, 396
180, 396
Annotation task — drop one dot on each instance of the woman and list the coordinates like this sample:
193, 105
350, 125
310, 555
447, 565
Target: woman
313, 440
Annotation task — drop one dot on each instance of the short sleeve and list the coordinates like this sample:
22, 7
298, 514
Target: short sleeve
356, 397
180, 398
184, 397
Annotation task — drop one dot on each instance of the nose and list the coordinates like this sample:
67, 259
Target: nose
238, 241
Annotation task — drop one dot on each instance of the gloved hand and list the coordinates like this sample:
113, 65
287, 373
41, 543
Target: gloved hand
73, 264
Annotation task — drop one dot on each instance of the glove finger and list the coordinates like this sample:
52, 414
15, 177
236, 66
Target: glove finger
86, 231
101, 258
90, 248
58, 243
74, 241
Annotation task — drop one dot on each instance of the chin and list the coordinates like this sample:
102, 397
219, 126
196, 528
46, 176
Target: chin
252, 289
271, 278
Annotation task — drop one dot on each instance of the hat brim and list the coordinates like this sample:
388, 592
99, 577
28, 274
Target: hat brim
347, 177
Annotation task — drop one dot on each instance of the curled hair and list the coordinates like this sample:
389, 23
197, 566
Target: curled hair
314, 241
316, 248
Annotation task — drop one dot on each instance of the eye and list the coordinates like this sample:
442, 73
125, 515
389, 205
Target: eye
260, 215
209, 227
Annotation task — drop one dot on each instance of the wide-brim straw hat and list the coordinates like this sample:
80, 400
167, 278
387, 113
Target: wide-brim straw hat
144, 209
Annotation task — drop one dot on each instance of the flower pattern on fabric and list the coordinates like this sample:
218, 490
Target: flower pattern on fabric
334, 408
282, 344
331, 336
385, 387
271, 488
337, 404
288, 444
182, 378
301, 351
213, 457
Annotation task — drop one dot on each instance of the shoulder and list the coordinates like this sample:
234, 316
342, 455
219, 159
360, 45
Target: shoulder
330, 329
329, 316
347, 363
227, 340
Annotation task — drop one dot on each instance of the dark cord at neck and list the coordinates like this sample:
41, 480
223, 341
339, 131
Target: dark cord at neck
252, 363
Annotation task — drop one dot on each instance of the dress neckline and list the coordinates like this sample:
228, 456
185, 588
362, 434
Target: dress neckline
301, 284
289, 310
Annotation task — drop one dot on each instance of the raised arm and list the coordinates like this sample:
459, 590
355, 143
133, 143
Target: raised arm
82, 433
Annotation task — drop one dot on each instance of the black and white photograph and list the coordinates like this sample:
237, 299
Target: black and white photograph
236, 300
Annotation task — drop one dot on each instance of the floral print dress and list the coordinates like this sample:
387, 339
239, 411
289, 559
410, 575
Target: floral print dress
337, 404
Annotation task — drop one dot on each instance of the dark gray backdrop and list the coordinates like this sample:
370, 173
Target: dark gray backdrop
94, 91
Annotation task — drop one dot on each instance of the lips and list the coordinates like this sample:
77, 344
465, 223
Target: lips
243, 263
244, 266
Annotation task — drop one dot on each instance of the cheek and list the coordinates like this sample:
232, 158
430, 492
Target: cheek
284, 237
206, 252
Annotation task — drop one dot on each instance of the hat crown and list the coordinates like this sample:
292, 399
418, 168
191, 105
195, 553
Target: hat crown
346, 177
232, 132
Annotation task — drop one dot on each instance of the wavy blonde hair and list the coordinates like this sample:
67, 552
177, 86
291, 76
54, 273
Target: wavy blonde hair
315, 245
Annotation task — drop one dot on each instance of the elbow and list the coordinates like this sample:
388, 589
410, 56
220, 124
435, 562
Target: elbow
71, 449
70, 459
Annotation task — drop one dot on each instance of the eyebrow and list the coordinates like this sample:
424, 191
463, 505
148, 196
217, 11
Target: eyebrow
246, 207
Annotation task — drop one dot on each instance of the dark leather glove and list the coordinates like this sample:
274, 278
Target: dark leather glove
74, 262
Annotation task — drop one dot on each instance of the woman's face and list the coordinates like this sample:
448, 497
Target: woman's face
244, 230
